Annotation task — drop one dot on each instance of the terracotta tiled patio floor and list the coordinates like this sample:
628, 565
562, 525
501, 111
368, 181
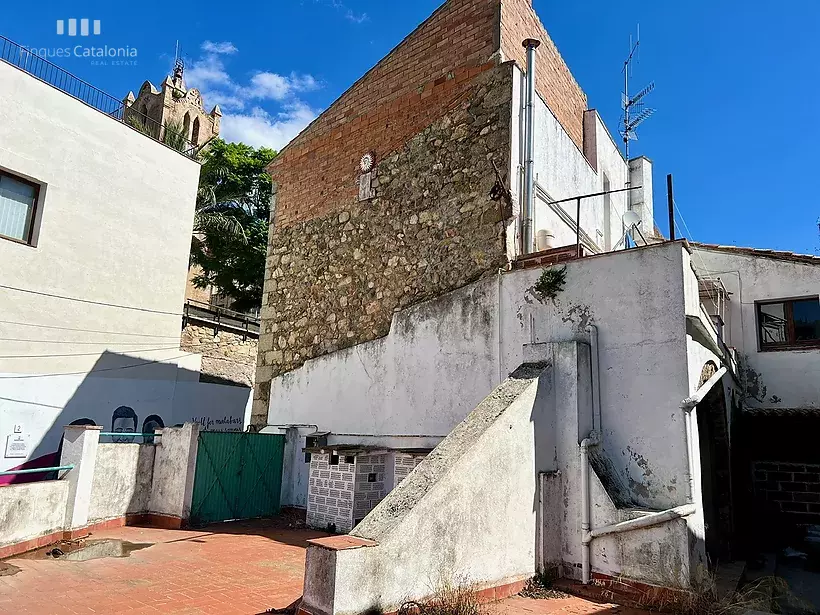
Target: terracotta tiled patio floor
559, 606
231, 568
237, 568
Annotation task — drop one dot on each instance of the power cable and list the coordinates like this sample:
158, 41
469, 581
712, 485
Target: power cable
79, 343
714, 297
28, 324
90, 302
93, 371
80, 354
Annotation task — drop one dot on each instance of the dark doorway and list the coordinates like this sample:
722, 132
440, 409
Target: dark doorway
716, 474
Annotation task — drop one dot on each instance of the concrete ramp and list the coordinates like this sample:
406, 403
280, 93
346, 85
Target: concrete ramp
467, 515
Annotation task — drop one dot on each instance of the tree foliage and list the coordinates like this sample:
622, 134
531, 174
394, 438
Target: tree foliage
231, 221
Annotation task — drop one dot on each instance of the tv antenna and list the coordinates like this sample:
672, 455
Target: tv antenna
634, 111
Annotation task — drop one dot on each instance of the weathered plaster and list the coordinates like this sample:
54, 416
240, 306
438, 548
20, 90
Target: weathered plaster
774, 379
32, 509
123, 476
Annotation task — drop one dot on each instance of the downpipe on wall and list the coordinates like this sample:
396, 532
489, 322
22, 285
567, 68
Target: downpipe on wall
530, 44
594, 439
687, 405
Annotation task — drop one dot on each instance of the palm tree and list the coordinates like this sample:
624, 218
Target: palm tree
213, 215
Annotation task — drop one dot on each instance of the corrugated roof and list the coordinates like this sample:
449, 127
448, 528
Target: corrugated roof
759, 252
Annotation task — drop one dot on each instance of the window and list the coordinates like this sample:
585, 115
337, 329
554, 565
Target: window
195, 132
789, 324
18, 199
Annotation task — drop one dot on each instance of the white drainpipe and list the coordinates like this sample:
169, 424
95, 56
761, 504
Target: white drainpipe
687, 405
594, 438
531, 45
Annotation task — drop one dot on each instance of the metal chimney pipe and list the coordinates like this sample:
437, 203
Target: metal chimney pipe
530, 44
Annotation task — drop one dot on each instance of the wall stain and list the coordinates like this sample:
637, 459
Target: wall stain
579, 315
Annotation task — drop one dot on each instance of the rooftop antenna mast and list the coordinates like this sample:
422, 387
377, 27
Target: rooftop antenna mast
634, 111
179, 64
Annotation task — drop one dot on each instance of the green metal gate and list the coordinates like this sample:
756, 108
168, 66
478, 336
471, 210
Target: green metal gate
238, 476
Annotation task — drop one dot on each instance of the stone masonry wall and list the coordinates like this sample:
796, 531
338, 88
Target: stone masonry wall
330, 493
226, 357
436, 223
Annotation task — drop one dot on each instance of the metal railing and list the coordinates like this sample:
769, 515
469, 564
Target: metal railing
220, 318
48, 72
36, 470
148, 434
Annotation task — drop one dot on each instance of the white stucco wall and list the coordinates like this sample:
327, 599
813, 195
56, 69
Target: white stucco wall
114, 226
442, 357
41, 406
123, 475
113, 230
790, 375
172, 484
450, 531
31, 510
563, 171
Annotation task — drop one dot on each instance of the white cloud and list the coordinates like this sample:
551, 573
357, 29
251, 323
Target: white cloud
226, 47
276, 87
258, 127
207, 71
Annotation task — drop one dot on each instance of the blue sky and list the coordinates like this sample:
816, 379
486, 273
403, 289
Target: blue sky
738, 84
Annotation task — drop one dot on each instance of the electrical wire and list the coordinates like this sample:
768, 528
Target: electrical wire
78, 343
80, 354
40, 326
93, 371
709, 291
90, 302
207, 346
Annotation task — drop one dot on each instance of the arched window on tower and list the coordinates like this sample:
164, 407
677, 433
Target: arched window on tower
195, 132
186, 124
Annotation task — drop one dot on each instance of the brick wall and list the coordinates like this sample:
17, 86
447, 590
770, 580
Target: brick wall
553, 79
369, 493
792, 489
408, 89
436, 113
330, 493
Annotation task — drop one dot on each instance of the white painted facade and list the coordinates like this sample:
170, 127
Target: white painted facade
90, 310
789, 376
562, 171
442, 357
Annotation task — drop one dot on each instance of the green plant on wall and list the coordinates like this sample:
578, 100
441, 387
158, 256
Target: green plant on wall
550, 283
